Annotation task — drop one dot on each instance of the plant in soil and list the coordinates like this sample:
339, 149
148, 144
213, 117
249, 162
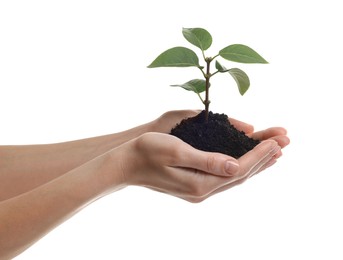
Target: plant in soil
209, 131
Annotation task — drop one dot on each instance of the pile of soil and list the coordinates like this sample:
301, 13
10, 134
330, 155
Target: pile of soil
215, 135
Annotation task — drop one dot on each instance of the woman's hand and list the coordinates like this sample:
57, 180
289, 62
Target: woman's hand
165, 163
55, 181
170, 119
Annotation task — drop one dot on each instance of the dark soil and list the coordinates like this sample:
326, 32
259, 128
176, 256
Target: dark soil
216, 135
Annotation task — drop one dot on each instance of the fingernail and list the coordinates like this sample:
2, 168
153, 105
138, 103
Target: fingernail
231, 167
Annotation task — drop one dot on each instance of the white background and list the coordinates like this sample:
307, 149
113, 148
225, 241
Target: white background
74, 69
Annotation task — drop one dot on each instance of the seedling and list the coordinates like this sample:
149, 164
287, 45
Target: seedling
184, 57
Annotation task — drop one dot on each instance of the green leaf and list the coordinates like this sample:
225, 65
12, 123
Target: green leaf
241, 79
241, 53
195, 85
220, 67
176, 57
198, 37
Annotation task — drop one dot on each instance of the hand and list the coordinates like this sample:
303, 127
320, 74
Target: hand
278, 134
170, 119
165, 163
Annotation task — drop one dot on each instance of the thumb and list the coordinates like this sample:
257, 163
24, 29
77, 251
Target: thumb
209, 162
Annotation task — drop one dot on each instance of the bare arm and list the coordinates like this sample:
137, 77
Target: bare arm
158, 161
26, 218
23, 168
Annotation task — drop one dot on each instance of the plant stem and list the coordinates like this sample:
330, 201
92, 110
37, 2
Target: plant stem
203, 54
207, 77
214, 57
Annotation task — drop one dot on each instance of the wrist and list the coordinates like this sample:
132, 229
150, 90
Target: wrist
110, 173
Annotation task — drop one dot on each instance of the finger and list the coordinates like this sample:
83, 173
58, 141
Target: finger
186, 113
282, 140
169, 119
265, 163
208, 162
241, 126
211, 185
270, 163
256, 158
250, 163
268, 133
239, 181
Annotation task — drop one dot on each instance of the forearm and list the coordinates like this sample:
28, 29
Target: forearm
23, 168
26, 218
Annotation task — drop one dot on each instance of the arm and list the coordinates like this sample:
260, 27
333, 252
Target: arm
154, 160
30, 166
26, 218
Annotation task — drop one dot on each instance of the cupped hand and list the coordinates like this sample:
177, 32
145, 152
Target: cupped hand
170, 119
165, 163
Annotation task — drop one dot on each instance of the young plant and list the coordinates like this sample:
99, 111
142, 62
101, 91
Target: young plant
184, 57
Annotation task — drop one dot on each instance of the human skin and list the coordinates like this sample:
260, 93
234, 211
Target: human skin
43, 185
